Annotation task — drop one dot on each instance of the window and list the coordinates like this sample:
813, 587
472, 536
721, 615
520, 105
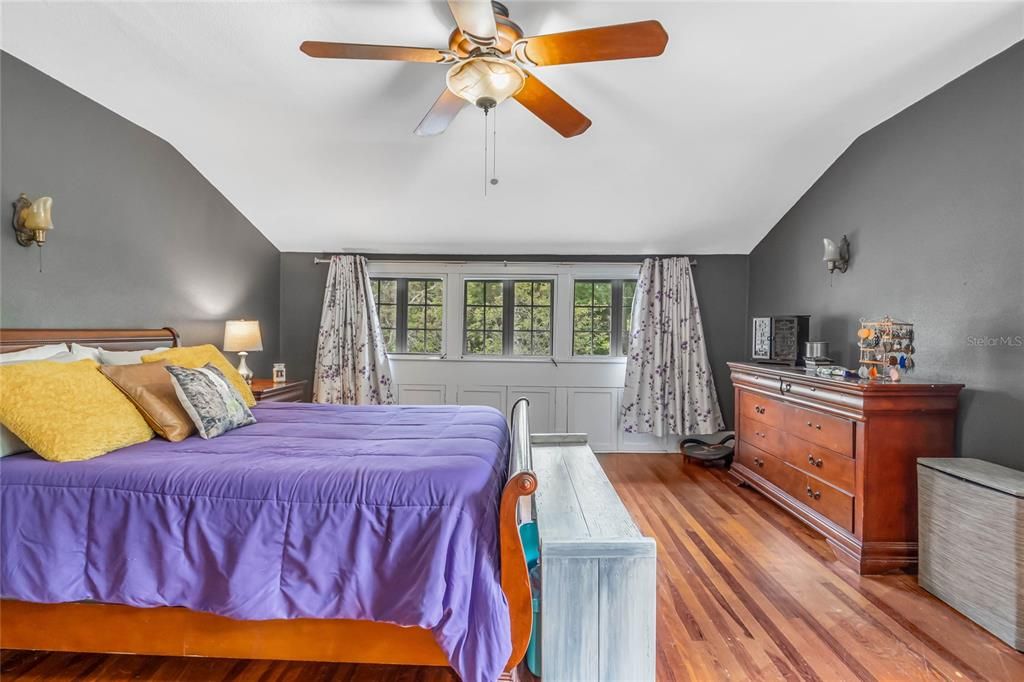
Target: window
602, 314
508, 317
411, 314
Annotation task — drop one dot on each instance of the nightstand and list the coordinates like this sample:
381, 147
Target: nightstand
265, 390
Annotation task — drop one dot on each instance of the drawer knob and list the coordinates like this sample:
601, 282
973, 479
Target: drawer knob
817, 426
814, 462
758, 461
758, 433
813, 494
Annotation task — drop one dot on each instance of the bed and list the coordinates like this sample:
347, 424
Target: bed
328, 533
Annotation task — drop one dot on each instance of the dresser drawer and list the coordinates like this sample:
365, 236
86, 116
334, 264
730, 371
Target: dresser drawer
831, 432
769, 467
829, 466
831, 503
763, 436
759, 408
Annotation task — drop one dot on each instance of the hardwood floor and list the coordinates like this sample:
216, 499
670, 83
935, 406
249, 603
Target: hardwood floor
745, 593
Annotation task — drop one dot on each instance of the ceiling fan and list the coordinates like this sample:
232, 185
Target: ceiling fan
487, 52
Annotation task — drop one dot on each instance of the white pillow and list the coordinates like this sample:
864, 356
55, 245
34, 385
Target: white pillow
86, 352
37, 353
125, 357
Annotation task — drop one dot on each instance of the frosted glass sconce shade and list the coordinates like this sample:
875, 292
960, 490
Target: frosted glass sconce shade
837, 256
32, 220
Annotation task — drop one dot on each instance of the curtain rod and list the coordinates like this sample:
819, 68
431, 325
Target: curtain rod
326, 261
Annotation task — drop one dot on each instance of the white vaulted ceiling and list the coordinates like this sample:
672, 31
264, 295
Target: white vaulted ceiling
701, 150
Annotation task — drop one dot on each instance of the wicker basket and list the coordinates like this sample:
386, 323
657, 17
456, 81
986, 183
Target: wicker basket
971, 541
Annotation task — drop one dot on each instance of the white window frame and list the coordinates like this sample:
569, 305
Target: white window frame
454, 274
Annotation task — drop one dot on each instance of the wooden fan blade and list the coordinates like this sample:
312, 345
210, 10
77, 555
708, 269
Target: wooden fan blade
476, 20
621, 41
315, 48
546, 105
440, 116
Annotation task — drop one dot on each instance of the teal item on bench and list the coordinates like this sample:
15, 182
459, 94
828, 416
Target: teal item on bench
530, 538
533, 649
531, 542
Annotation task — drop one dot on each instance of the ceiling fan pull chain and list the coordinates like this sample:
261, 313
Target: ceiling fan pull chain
494, 148
485, 152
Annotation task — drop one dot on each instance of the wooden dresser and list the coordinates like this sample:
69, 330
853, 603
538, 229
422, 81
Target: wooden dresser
840, 455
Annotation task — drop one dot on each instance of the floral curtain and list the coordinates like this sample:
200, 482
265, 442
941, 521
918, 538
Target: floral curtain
351, 358
669, 387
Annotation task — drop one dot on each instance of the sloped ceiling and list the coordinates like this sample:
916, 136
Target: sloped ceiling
699, 151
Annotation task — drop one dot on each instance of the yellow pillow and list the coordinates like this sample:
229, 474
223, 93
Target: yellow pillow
68, 411
197, 356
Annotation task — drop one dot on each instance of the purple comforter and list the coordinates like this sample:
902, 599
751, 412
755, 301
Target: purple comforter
377, 513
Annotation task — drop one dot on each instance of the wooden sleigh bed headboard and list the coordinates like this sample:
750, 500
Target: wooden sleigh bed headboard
112, 339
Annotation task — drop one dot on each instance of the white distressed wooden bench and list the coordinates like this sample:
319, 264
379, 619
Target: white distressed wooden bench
598, 572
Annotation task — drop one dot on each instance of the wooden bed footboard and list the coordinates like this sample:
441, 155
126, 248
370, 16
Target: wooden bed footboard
173, 631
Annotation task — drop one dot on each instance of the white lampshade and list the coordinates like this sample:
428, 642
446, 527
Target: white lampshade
242, 336
485, 78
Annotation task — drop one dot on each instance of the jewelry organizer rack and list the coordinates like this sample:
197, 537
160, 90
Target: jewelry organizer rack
885, 344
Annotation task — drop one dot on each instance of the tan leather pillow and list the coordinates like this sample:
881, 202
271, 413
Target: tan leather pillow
149, 388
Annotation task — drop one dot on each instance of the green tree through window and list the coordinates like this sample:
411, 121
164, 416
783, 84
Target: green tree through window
411, 314
601, 316
508, 317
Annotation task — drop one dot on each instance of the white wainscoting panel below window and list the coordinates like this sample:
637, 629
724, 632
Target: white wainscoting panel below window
421, 394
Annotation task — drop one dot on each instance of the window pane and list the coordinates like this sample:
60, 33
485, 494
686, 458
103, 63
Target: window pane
584, 293
417, 291
493, 294
388, 316
542, 293
493, 319
416, 342
433, 342
524, 293
581, 320
435, 292
542, 343
602, 293
435, 317
388, 291
417, 317
474, 342
581, 343
541, 319
474, 317
602, 343
521, 343
602, 319
475, 293
628, 293
493, 343
390, 340
521, 318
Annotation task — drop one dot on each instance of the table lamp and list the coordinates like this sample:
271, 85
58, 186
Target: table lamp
242, 336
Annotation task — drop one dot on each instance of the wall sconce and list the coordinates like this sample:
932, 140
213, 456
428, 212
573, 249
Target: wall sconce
837, 257
32, 220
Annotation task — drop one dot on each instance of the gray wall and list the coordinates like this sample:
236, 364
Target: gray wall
933, 203
140, 238
721, 290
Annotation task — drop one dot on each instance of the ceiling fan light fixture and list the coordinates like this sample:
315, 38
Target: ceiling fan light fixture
485, 81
